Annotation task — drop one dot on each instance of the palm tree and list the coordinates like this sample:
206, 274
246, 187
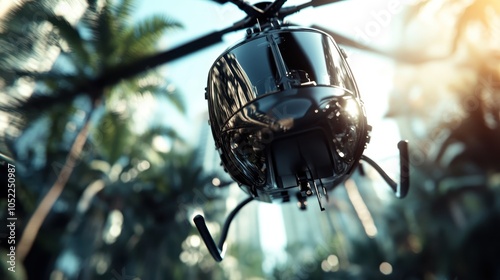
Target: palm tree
104, 37
149, 192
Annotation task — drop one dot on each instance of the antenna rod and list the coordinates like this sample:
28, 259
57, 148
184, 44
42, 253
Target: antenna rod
217, 252
400, 190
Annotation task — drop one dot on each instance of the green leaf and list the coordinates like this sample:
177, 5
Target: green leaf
144, 35
72, 37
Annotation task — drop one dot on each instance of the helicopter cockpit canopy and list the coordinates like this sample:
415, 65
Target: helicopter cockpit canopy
277, 88
275, 61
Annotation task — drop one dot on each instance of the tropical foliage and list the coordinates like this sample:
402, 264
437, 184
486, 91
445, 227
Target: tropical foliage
109, 194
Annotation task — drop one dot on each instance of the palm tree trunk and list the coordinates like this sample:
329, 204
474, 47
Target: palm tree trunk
35, 222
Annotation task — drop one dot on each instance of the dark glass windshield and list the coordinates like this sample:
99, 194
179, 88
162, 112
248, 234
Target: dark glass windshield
314, 59
273, 62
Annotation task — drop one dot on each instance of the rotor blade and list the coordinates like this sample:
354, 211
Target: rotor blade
317, 3
249, 9
343, 40
398, 56
314, 3
134, 68
114, 75
275, 7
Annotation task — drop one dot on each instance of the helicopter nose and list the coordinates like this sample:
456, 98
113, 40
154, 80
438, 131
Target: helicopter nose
291, 108
307, 151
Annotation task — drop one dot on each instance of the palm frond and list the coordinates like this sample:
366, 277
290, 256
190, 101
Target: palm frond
104, 35
113, 136
144, 35
98, 32
20, 31
162, 131
152, 82
14, 51
21, 15
93, 6
72, 37
53, 75
53, 88
23, 112
173, 97
124, 11
39, 103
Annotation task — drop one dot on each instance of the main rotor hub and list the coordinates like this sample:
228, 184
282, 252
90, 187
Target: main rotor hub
268, 19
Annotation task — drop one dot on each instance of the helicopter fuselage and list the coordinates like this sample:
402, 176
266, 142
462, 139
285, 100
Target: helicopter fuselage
286, 114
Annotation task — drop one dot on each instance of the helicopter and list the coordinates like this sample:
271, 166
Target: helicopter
286, 114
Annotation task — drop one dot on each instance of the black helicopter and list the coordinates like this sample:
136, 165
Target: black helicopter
285, 112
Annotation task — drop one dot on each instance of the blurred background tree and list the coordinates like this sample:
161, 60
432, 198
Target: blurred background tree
109, 184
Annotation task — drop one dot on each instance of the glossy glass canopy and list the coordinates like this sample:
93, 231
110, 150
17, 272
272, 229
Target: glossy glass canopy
273, 62
283, 104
